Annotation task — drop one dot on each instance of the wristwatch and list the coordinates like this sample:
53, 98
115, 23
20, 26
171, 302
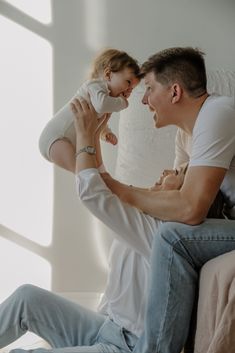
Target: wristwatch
87, 149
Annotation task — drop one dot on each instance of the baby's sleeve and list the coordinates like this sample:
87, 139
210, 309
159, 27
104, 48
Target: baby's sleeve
103, 102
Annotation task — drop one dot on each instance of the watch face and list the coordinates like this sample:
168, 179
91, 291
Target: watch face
91, 149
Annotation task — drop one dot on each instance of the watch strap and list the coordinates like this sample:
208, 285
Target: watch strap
88, 149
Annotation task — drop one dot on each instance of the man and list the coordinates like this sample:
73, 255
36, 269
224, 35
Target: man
67, 326
176, 92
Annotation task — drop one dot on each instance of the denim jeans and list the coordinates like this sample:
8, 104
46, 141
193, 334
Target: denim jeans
179, 251
66, 326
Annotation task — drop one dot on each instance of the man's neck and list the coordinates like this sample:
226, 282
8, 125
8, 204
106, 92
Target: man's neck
192, 107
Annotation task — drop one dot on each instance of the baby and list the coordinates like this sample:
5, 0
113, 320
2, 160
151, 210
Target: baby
113, 76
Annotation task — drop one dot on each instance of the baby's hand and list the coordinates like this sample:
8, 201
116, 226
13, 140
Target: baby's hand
125, 95
110, 137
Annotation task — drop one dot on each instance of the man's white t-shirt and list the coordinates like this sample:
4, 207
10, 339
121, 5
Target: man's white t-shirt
212, 142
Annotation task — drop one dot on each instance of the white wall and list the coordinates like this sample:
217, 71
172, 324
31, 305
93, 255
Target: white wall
78, 29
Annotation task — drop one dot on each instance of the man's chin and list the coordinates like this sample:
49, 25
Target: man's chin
158, 122
155, 118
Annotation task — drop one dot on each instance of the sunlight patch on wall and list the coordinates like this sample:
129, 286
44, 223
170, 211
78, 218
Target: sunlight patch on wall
95, 23
39, 10
20, 266
26, 105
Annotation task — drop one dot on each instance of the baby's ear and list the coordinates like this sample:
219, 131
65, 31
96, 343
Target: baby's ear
107, 73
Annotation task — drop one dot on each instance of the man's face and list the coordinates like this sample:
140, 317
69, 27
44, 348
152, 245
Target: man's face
170, 179
158, 97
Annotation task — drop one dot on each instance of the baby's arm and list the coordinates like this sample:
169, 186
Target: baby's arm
103, 102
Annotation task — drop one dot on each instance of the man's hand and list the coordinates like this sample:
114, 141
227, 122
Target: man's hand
85, 117
115, 186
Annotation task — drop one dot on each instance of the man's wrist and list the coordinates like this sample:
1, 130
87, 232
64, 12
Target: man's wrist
82, 141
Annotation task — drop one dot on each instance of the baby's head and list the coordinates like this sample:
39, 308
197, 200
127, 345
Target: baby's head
171, 179
119, 69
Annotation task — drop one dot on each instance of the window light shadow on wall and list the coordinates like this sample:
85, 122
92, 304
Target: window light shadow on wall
95, 24
38, 10
95, 13
33, 267
26, 90
26, 180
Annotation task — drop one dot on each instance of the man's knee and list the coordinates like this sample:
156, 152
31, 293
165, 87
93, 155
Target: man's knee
172, 232
26, 292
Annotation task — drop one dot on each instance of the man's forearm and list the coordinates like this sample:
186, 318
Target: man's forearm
164, 205
188, 205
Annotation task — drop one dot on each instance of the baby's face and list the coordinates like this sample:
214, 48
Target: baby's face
122, 82
169, 180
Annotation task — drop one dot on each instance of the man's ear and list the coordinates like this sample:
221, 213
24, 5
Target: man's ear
107, 73
176, 93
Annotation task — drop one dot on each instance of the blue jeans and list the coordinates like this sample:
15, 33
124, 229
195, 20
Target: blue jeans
179, 251
66, 326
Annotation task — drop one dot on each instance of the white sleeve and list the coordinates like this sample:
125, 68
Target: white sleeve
102, 102
182, 146
130, 225
213, 141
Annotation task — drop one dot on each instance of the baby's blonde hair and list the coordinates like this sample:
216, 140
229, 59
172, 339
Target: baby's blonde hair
115, 60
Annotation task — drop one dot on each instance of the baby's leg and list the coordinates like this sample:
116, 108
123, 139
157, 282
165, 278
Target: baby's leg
57, 142
62, 153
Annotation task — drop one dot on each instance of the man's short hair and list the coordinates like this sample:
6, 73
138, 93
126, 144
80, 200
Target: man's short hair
185, 66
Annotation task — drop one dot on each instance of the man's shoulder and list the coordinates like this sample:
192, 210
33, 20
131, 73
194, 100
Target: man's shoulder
222, 102
216, 111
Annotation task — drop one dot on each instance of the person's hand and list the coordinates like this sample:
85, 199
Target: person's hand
107, 135
110, 137
114, 185
85, 117
111, 183
126, 94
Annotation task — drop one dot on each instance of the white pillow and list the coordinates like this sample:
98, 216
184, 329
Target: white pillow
221, 82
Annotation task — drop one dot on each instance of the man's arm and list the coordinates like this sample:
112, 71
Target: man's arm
188, 205
95, 195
